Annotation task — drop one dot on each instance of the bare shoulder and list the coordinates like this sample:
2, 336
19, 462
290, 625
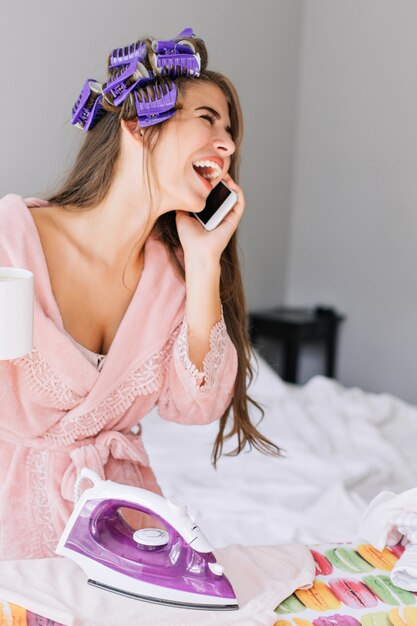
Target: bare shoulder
54, 235
45, 216
50, 221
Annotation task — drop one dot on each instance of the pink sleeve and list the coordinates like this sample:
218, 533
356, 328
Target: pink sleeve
193, 397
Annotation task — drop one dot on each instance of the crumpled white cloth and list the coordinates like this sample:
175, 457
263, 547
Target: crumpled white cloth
404, 573
389, 520
261, 576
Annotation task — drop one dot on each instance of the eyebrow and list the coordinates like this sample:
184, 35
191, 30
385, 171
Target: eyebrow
216, 115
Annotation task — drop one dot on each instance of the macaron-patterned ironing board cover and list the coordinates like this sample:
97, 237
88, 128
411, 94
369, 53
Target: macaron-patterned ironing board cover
13, 615
352, 588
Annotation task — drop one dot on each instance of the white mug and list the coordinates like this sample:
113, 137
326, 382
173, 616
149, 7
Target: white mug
16, 312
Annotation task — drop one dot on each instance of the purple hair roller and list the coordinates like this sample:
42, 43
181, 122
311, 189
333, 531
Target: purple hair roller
176, 58
172, 47
123, 56
178, 64
187, 32
175, 45
119, 88
155, 104
87, 110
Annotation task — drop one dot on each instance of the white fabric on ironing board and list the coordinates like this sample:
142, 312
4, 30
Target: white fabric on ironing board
388, 519
376, 524
404, 573
262, 576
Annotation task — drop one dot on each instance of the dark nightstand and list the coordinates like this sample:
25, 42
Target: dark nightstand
295, 327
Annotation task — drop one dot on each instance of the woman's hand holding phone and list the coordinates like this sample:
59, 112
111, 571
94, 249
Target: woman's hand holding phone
219, 202
207, 245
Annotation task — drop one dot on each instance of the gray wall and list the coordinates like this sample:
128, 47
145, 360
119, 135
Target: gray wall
329, 93
353, 235
52, 47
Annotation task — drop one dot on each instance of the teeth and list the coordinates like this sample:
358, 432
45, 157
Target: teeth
208, 176
215, 167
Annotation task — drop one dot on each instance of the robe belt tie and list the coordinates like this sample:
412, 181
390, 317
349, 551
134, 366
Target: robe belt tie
96, 453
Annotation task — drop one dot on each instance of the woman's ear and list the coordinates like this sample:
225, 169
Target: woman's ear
132, 128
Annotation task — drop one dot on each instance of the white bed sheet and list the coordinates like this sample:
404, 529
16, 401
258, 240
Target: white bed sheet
342, 446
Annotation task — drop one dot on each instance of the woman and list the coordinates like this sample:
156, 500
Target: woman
136, 304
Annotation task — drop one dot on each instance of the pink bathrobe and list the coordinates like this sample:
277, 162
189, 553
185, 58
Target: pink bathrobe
58, 413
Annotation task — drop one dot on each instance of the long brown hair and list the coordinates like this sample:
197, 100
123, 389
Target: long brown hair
89, 181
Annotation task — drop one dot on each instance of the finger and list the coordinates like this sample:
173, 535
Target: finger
235, 215
240, 204
232, 219
231, 183
227, 177
239, 207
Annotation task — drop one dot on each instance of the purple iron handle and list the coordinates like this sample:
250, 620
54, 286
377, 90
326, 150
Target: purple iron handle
87, 110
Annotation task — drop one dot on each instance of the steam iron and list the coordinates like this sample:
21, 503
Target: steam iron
174, 567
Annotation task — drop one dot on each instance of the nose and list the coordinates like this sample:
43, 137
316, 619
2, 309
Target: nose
224, 144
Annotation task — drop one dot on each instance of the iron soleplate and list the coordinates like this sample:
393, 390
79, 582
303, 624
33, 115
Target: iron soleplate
178, 604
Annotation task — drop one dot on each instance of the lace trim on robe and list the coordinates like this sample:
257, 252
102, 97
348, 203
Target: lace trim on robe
44, 535
147, 379
42, 379
203, 382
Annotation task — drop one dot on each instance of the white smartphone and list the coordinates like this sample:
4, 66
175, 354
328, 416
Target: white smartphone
220, 201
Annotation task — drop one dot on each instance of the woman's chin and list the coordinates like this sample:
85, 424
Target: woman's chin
194, 205
193, 201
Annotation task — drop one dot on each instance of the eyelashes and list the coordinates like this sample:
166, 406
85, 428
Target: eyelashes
209, 117
212, 120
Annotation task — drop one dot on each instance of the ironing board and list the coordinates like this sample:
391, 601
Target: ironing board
352, 588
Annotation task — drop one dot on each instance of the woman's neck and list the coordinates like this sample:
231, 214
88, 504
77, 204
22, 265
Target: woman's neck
114, 231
